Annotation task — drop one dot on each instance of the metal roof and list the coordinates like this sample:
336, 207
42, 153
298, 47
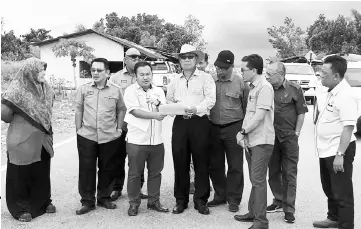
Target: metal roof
147, 52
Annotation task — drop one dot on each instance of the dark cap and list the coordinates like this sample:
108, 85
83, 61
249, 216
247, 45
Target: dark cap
225, 59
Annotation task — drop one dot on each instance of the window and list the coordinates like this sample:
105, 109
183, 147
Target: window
84, 70
159, 67
299, 70
353, 77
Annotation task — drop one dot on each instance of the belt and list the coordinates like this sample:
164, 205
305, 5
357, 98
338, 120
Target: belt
192, 116
226, 125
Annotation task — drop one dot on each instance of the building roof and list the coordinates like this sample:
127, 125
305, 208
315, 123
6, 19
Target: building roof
145, 51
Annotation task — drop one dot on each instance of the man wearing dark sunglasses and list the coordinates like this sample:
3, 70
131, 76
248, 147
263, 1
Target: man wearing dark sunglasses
124, 78
190, 137
99, 119
227, 117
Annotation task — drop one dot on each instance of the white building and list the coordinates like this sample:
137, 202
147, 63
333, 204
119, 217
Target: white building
105, 46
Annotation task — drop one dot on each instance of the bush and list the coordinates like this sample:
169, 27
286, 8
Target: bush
8, 72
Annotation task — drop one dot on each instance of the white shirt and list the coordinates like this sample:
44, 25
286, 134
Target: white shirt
143, 131
339, 110
199, 91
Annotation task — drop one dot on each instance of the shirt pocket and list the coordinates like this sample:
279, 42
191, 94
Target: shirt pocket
197, 90
110, 102
251, 105
232, 100
330, 114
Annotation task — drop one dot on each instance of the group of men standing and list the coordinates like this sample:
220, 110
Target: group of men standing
226, 114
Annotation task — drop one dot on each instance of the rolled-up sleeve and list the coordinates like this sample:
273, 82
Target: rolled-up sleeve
131, 99
79, 98
265, 98
209, 100
348, 110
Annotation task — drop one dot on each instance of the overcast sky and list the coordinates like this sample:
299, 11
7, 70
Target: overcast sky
235, 25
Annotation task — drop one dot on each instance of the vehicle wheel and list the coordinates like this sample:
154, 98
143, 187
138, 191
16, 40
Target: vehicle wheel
312, 100
315, 111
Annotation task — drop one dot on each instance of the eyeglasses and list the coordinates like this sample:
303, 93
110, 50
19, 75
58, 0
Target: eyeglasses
189, 57
134, 57
97, 70
221, 69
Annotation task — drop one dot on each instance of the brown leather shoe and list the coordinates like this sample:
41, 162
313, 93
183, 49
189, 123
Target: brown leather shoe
115, 195
107, 205
157, 207
26, 217
244, 218
50, 209
133, 210
84, 209
327, 223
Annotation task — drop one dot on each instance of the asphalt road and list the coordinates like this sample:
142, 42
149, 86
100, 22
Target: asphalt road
310, 203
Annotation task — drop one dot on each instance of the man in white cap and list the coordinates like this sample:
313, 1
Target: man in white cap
124, 78
191, 132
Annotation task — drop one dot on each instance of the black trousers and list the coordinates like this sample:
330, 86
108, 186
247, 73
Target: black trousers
224, 143
283, 173
118, 182
191, 138
339, 188
89, 153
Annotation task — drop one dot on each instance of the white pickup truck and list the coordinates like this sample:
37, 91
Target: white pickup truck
353, 77
304, 75
163, 73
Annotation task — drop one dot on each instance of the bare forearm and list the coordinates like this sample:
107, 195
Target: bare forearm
345, 138
299, 124
120, 119
143, 114
78, 119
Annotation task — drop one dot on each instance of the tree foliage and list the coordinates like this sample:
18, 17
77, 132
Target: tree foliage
79, 28
288, 39
341, 35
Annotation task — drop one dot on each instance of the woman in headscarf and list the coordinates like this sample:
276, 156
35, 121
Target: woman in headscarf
27, 106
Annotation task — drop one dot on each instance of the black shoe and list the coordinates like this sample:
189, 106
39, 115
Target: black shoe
192, 189
25, 217
274, 208
143, 196
215, 203
107, 205
244, 218
157, 207
179, 208
84, 209
115, 195
203, 209
289, 217
133, 210
50, 209
233, 207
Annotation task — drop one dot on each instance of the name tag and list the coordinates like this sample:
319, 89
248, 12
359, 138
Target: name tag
90, 92
124, 81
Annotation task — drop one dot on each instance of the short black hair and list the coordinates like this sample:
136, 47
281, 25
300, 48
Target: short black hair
254, 61
142, 64
206, 57
102, 60
338, 64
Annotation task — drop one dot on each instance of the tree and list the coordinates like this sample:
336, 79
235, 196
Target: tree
12, 47
73, 49
288, 40
36, 35
79, 28
194, 31
99, 26
341, 35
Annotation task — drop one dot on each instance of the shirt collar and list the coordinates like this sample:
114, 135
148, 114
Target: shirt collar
338, 87
230, 78
106, 84
195, 73
257, 81
140, 88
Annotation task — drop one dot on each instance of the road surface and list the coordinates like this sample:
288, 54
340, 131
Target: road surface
310, 203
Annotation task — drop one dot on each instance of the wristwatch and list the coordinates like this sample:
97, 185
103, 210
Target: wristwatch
243, 132
158, 103
340, 154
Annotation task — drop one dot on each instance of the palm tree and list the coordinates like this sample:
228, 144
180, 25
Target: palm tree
73, 49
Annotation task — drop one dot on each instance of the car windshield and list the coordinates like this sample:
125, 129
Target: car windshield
353, 77
299, 70
159, 67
